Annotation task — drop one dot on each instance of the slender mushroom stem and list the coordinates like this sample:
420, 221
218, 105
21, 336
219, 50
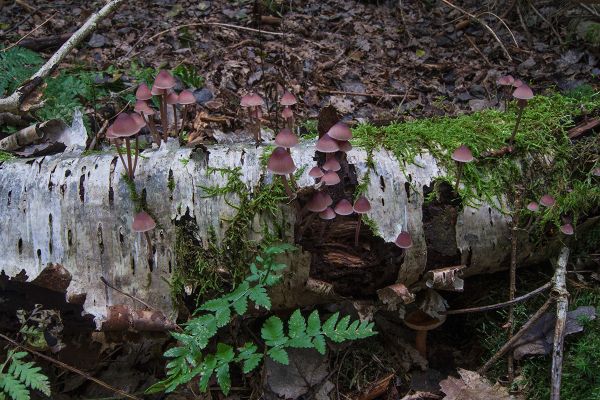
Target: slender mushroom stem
163, 116
137, 152
288, 190
175, 118
458, 175
421, 343
522, 104
118, 146
153, 130
183, 117
129, 165
357, 233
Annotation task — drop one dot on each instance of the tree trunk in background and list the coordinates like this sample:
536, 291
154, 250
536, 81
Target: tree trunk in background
76, 211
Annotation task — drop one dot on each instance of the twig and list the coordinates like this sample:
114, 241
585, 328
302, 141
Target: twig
513, 277
505, 25
126, 294
562, 303
535, 10
70, 368
500, 305
344, 93
508, 345
486, 26
30, 32
13, 102
230, 26
487, 61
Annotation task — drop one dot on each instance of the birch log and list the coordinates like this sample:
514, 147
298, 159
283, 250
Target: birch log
76, 211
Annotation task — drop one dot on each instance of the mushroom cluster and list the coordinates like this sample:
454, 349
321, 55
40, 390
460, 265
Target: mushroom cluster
549, 201
522, 93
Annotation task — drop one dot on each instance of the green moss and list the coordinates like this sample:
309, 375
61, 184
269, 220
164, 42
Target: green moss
544, 160
592, 33
214, 266
171, 184
133, 194
5, 156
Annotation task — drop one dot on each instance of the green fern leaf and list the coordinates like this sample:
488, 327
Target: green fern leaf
224, 353
296, 324
329, 325
258, 294
241, 305
206, 371
13, 387
300, 342
272, 331
223, 378
30, 375
222, 316
314, 323
214, 305
278, 354
251, 362
319, 344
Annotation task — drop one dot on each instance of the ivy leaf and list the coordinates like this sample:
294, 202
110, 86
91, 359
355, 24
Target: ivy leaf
280, 355
296, 324
258, 294
314, 323
223, 378
319, 344
272, 330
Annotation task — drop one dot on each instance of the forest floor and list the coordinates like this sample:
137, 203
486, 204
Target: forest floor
373, 61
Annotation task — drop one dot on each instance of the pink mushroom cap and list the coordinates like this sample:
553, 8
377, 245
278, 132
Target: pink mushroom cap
523, 92
252, 100
331, 178
143, 107
533, 206
567, 229
343, 207
143, 222
164, 80
143, 92
340, 131
327, 214
315, 172
286, 138
362, 205
332, 165
547, 200
139, 120
344, 145
404, 240
462, 154
280, 162
326, 144
287, 113
187, 97
288, 99
506, 80
319, 202
157, 91
172, 98
518, 83
125, 126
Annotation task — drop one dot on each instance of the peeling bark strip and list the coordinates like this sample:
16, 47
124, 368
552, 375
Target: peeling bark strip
85, 195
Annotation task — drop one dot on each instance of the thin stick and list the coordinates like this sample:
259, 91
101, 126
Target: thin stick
148, 306
30, 32
345, 93
70, 368
508, 345
500, 305
562, 303
486, 26
513, 279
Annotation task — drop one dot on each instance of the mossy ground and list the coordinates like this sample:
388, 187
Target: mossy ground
544, 159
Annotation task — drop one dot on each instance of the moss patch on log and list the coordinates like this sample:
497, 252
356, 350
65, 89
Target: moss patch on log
544, 159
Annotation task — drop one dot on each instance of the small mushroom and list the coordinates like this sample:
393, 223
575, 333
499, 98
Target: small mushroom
319, 202
533, 206
547, 200
316, 172
143, 92
143, 222
186, 99
286, 101
288, 116
462, 155
421, 322
281, 163
344, 146
163, 82
147, 112
327, 145
286, 138
340, 131
254, 102
522, 93
518, 83
343, 207
327, 214
332, 165
567, 229
124, 127
506, 81
361, 206
330, 178
404, 240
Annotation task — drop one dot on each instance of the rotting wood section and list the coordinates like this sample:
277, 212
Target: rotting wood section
76, 211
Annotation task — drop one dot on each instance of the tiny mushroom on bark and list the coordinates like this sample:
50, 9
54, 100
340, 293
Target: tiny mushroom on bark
186, 99
422, 323
286, 138
517, 83
319, 202
522, 93
163, 82
404, 240
316, 172
361, 206
254, 103
147, 112
547, 200
332, 165
567, 229
462, 155
343, 207
281, 163
124, 127
286, 101
143, 222
327, 214
143, 92
344, 146
327, 145
330, 178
